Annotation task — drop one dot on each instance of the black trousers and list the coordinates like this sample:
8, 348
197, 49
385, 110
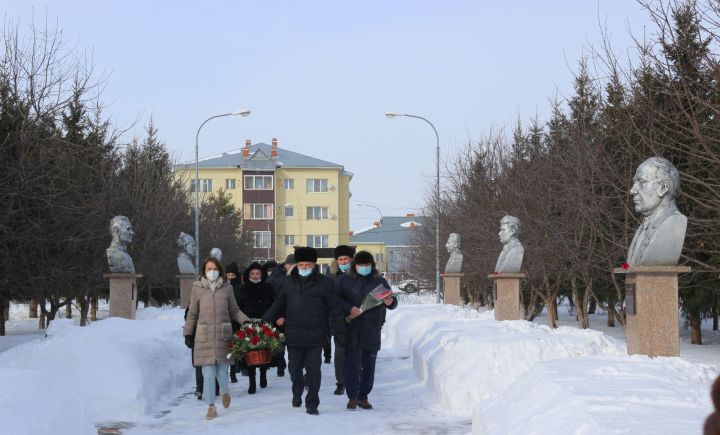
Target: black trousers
308, 359
327, 350
358, 387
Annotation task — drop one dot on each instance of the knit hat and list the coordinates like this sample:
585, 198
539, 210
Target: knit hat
305, 253
290, 259
232, 268
341, 250
269, 265
364, 257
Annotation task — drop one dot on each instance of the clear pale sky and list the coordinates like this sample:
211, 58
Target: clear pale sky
319, 75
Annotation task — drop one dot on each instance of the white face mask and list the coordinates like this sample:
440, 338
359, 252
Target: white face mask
212, 275
255, 281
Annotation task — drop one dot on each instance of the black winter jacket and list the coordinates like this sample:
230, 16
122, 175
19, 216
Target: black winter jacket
363, 332
309, 304
255, 299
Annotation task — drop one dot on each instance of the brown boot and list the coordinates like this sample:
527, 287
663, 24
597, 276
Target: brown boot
352, 404
212, 412
226, 400
364, 404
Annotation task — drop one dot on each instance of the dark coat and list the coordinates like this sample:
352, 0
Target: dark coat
309, 304
255, 299
363, 332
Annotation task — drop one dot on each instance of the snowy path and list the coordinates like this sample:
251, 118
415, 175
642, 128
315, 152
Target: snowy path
403, 404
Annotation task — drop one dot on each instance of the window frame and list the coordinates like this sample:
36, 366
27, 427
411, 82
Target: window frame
317, 213
324, 240
312, 181
262, 234
253, 184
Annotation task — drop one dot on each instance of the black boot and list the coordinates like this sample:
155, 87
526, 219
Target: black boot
263, 378
340, 390
233, 376
251, 378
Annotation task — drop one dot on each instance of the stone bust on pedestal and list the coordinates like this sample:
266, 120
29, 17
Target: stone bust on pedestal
454, 264
118, 258
660, 238
186, 265
510, 259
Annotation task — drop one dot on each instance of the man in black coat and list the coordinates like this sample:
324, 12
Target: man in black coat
362, 341
309, 301
274, 276
343, 257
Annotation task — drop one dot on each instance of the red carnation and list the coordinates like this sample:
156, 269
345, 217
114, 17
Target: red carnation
255, 340
249, 331
240, 335
625, 266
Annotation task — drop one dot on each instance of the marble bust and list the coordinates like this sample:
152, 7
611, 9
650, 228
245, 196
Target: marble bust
216, 253
511, 257
660, 238
454, 264
118, 258
185, 262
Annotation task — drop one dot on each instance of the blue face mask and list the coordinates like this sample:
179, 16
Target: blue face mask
363, 270
344, 267
305, 272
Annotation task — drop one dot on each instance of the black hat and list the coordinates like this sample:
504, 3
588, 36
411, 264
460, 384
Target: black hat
290, 259
232, 268
341, 250
270, 264
364, 257
306, 253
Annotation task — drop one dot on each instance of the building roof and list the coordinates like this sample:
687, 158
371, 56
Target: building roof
393, 231
260, 160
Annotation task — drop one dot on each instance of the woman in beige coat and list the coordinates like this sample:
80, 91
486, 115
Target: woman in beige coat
208, 329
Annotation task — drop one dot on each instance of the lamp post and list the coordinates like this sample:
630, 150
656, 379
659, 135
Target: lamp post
197, 183
362, 204
437, 198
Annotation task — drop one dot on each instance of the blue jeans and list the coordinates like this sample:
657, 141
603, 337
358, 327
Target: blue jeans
358, 387
210, 373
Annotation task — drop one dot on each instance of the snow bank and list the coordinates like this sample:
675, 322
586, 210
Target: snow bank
112, 370
601, 395
515, 376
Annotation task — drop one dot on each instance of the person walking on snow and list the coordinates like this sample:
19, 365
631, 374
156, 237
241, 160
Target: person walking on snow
362, 341
308, 300
211, 310
343, 257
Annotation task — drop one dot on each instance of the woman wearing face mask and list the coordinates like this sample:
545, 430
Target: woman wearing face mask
211, 310
256, 297
362, 340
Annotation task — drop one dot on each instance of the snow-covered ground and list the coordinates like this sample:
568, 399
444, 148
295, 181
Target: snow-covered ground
443, 369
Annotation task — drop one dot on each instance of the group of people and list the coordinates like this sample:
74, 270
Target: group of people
311, 308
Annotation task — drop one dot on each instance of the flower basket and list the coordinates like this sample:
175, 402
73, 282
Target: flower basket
255, 342
258, 357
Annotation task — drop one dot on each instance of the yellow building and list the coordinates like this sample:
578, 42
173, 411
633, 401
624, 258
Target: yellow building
287, 199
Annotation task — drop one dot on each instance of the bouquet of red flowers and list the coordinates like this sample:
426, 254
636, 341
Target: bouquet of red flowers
374, 299
256, 341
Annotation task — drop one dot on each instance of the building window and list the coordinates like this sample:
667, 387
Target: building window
230, 184
258, 182
317, 241
289, 183
316, 213
379, 258
205, 185
262, 239
289, 212
259, 211
289, 240
317, 185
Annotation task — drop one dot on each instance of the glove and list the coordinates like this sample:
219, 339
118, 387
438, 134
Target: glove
340, 339
189, 341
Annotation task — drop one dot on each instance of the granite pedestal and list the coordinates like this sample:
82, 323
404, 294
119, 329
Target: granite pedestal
123, 294
508, 299
451, 286
186, 282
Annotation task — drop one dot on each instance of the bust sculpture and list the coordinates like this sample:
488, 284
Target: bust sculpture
185, 262
660, 238
510, 259
118, 258
454, 264
216, 253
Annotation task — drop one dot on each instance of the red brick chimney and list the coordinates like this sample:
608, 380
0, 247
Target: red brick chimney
246, 149
273, 149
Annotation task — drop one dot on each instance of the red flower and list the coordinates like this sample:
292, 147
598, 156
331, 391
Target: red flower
255, 340
625, 266
249, 330
240, 335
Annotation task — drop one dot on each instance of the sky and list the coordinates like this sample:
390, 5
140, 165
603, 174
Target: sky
319, 75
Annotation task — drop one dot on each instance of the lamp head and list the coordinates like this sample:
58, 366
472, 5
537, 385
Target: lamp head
392, 114
242, 112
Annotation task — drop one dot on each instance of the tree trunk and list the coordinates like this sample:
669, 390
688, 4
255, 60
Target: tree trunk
610, 316
715, 322
43, 314
84, 308
68, 309
6, 310
551, 303
93, 307
696, 333
33, 309
2, 318
593, 306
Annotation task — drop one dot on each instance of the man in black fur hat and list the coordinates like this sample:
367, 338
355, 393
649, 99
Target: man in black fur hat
309, 302
343, 258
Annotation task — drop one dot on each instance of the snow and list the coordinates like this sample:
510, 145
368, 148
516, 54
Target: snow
442, 369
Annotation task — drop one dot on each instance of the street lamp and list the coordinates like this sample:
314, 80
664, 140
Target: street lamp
362, 204
437, 197
197, 183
